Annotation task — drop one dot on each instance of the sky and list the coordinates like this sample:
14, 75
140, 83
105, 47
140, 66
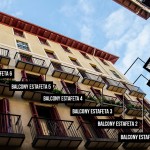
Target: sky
101, 23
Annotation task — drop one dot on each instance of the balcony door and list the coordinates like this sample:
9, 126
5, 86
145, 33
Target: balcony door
48, 121
26, 58
57, 66
5, 122
31, 77
89, 127
71, 87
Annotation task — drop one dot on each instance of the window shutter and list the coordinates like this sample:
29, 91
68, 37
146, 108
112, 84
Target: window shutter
35, 119
84, 127
41, 78
99, 132
65, 86
55, 116
24, 75
5, 119
1, 66
95, 92
78, 90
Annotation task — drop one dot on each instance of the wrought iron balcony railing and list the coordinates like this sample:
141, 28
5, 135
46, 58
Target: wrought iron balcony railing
4, 52
114, 85
98, 138
64, 72
31, 63
59, 128
110, 100
11, 130
10, 123
30, 59
135, 91
4, 56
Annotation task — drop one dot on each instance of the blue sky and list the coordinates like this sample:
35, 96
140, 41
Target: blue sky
100, 23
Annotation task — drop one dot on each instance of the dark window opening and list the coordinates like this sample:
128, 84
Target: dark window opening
104, 62
43, 41
71, 87
75, 62
18, 33
95, 68
85, 55
83, 73
32, 77
26, 58
65, 48
57, 66
51, 55
115, 74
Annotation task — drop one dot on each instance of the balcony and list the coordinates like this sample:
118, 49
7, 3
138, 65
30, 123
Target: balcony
35, 95
135, 91
4, 87
11, 130
64, 72
133, 108
4, 56
34, 64
90, 100
115, 86
138, 145
47, 133
92, 79
98, 138
110, 101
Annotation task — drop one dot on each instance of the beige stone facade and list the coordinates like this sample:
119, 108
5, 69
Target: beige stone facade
19, 104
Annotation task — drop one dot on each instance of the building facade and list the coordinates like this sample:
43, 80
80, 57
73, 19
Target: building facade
139, 7
37, 54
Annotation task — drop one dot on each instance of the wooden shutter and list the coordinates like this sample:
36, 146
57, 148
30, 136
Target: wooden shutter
99, 132
5, 122
35, 119
84, 127
24, 75
78, 89
95, 92
1, 66
54, 115
41, 78
65, 86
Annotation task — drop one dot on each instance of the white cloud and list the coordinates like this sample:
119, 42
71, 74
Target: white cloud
86, 33
83, 10
5, 4
128, 36
17, 13
117, 23
86, 7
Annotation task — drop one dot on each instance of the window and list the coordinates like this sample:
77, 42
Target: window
115, 74
23, 45
95, 68
75, 62
51, 55
18, 33
43, 41
104, 62
83, 73
85, 55
26, 58
33, 78
57, 66
65, 48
